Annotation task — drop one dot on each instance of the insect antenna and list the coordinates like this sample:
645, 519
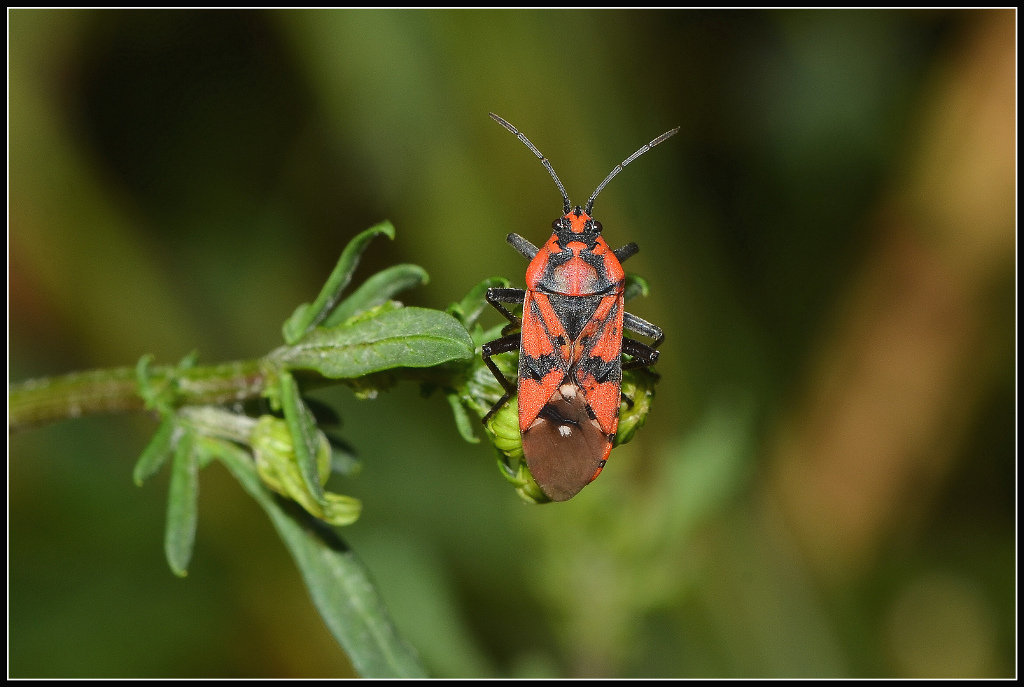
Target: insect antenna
543, 160
618, 168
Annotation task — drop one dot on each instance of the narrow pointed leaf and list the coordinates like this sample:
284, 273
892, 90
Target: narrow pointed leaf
302, 427
462, 421
378, 289
308, 316
149, 394
188, 362
182, 506
338, 582
156, 453
407, 337
469, 309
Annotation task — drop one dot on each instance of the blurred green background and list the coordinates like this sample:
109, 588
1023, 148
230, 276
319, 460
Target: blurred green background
826, 484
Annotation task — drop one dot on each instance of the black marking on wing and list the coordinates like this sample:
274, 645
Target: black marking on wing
550, 412
601, 370
592, 340
538, 368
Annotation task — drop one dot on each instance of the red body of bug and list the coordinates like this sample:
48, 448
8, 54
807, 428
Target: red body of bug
570, 343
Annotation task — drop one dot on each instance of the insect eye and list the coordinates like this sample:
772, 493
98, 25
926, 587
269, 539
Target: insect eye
558, 224
597, 226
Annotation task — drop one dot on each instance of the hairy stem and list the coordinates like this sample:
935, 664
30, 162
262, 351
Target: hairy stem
37, 401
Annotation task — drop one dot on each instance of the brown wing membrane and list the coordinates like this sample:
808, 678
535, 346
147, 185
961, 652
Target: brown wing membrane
564, 446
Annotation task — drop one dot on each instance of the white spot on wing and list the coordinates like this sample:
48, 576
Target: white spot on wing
565, 430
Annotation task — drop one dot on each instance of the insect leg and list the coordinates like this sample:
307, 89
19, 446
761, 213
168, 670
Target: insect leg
643, 355
643, 328
626, 252
505, 344
497, 296
525, 248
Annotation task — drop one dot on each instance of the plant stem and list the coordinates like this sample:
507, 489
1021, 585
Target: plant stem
48, 399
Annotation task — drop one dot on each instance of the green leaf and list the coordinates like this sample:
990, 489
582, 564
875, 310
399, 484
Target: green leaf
376, 290
182, 506
636, 286
188, 362
149, 393
308, 316
305, 438
338, 582
408, 337
468, 310
161, 393
375, 311
462, 421
156, 452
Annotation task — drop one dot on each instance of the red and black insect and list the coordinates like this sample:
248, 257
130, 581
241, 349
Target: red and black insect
570, 342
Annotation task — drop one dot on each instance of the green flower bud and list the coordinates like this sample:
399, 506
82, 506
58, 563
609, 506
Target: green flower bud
503, 430
340, 510
638, 387
278, 468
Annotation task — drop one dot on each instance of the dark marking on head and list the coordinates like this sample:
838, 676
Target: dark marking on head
587, 236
